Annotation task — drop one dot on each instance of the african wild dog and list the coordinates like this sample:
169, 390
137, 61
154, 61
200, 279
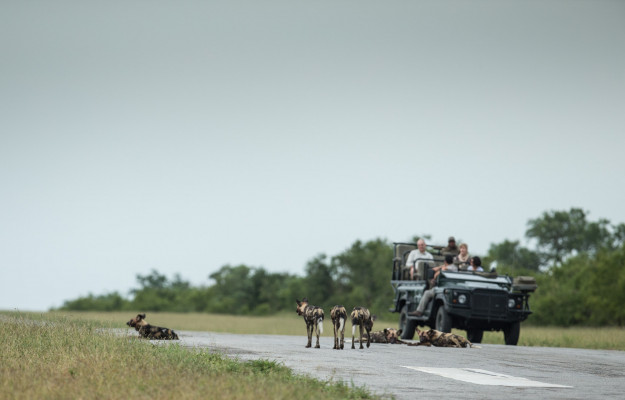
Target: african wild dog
313, 316
361, 317
149, 331
442, 339
388, 335
338, 315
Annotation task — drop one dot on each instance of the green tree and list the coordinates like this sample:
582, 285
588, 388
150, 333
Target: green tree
363, 275
511, 257
106, 302
320, 281
157, 293
561, 234
233, 291
584, 290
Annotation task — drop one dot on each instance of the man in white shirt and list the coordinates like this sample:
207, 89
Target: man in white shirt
418, 254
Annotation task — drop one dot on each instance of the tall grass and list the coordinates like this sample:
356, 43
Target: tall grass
610, 338
61, 357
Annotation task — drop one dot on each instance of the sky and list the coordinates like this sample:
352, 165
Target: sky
185, 136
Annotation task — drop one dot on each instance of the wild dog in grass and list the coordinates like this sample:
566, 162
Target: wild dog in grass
338, 315
361, 317
313, 316
388, 335
149, 331
436, 338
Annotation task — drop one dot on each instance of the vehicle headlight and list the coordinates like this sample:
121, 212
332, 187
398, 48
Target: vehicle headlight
462, 299
511, 303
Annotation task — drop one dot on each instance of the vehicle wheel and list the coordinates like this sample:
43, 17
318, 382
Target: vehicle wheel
443, 320
407, 326
511, 333
475, 335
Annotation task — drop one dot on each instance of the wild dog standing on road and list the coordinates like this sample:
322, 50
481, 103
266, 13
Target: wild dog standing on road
313, 316
442, 339
338, 315
149, 331
361, 317
388, 335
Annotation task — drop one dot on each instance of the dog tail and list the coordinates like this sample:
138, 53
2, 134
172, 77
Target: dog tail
341, 324
320, 325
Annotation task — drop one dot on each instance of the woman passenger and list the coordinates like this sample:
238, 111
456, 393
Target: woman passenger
462, 260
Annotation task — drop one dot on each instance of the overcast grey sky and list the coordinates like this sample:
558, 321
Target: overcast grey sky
183, 136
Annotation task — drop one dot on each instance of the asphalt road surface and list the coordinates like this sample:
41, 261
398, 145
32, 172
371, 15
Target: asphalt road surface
487, 372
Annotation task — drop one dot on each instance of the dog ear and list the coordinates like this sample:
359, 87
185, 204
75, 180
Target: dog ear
298, 302
399, 332
142, 316
305, 300
385, 331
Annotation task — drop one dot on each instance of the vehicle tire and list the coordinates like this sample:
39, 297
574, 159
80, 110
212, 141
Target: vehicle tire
475, 335
511, 333
443, 320
407, 326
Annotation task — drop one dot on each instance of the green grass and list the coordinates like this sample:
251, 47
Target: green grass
604, 338
608, 338
52, 356
77, 355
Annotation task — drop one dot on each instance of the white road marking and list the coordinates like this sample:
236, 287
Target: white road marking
483, 377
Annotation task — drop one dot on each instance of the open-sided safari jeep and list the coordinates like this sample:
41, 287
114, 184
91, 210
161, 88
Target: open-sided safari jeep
472, 301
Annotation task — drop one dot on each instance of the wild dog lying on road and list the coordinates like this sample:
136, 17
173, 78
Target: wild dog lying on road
441, 339
313, 316
149, 331
338, 315
361, 317
388, 335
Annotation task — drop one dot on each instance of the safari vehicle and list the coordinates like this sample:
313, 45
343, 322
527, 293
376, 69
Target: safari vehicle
472, 301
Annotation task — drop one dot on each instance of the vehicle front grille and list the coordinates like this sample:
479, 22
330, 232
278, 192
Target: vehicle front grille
490, 304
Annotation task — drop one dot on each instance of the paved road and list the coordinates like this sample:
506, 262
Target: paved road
488, 372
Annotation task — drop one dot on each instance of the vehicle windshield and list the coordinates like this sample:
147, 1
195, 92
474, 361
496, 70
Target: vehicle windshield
468, 276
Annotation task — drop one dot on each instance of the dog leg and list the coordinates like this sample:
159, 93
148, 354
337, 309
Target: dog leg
316, 327
342, 330
360, 330
309, 329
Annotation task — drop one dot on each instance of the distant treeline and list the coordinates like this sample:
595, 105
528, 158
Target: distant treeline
579, 265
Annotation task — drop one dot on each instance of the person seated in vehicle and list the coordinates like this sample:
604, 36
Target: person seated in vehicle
417, 254
429, 294
451, 247
463, 259
476, 264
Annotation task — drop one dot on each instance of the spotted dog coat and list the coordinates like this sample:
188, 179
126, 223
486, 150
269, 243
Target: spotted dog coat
361, 317
313, 316
388, 335
339, 316
149, 331
441, 339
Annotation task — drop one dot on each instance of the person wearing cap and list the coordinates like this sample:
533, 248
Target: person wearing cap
451, 248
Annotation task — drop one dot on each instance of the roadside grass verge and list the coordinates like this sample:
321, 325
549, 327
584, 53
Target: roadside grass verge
607, 338
597, 338
51, 356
